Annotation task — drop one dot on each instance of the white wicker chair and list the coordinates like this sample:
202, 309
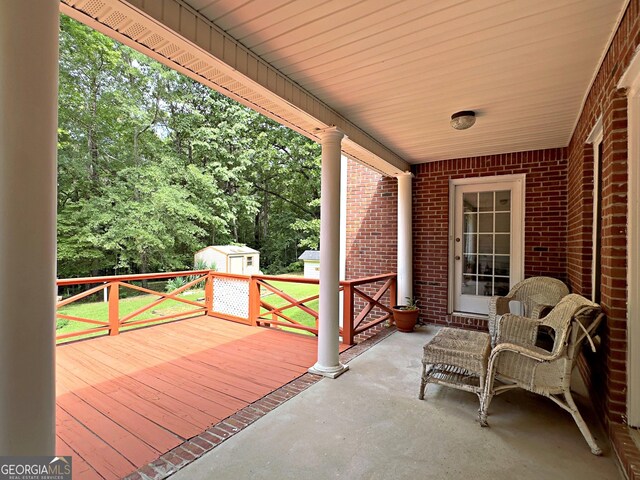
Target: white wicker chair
517, 362
536, 294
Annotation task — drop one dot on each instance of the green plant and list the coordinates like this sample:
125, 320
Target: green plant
175, 283
202, 265
297, 266
275, 268
61, 323
412, 304
199, 265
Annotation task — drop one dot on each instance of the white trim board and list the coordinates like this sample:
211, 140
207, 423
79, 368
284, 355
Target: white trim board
631, 81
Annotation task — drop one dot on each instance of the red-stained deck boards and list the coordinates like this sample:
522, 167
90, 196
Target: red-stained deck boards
125, 400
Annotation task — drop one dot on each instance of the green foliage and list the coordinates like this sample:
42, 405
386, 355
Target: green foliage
61, 323
279, 269
199, 265
153, 166
202, 265
175, 283
297, 266
311, 231
411, 304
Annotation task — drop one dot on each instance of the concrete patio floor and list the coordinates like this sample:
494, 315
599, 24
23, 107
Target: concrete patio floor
369, 424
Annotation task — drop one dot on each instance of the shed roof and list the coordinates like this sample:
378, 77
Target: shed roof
310, 255
230, 249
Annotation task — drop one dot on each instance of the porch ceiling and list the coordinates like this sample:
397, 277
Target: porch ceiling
399, 69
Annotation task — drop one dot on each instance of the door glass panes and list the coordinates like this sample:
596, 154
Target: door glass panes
470, 202
485, 222
500, 286
503, 201
486, 243
503, 222
485, 265
485, 201
501, 265
470, 264
503, 243
469, 284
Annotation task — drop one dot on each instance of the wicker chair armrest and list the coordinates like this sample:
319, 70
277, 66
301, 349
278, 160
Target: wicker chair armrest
516, 329
499, 306
534, 353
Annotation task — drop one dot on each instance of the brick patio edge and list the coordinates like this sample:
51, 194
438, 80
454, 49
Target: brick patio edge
626, 450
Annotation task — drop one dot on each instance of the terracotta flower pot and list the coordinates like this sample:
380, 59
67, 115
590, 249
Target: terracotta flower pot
405, 319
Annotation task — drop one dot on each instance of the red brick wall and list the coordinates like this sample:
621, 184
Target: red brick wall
565, 229
372, 230
580, 220
545, 221
372, 222
604, 100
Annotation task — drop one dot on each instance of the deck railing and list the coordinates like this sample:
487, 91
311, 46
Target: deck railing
364, 296
246, 299
220, 299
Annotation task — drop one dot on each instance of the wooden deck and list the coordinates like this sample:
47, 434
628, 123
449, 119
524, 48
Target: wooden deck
123, 401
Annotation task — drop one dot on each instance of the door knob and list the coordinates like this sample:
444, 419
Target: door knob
457, 257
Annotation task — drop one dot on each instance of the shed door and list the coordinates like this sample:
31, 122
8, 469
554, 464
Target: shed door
236, 265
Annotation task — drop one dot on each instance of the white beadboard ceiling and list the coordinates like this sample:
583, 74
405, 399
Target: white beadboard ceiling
398, 69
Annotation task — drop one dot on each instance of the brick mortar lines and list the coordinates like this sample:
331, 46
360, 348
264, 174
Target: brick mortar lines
626, 450
604, 100
193, 448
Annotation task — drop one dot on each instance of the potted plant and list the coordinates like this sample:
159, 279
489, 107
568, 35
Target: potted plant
406, 316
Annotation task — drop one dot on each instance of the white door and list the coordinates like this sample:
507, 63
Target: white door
236, 265
487, 241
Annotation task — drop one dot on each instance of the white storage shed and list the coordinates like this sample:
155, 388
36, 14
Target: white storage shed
311, 259
238, 259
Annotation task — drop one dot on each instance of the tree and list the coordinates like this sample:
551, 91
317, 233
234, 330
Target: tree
153, 166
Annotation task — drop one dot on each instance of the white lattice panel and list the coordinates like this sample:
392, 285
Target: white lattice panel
231, 296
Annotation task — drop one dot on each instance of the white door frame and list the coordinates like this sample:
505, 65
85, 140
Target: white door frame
631, 81
517, 268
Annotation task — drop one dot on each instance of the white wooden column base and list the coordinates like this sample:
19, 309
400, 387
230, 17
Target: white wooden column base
329, 372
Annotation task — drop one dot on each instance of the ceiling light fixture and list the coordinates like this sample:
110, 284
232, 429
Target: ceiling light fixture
463, 120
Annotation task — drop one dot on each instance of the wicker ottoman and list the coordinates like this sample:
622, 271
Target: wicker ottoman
456, 358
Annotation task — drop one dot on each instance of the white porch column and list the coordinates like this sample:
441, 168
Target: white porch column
328, 363
343, 232
28, 136
405, 240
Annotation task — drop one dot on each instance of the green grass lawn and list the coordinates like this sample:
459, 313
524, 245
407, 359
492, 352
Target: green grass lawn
100, 311
297, 291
